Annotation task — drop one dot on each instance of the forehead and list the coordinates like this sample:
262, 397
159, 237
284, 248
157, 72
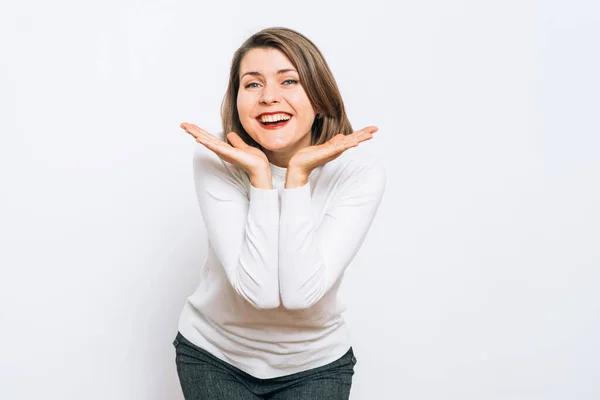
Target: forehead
265, 61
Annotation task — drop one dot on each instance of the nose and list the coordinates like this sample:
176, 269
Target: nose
270, 95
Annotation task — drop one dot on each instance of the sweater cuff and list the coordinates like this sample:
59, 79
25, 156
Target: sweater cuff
297, 200
264, 202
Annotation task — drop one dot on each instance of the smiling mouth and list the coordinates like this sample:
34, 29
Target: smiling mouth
274, 125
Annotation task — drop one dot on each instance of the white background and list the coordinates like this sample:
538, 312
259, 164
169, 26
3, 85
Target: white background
480, 278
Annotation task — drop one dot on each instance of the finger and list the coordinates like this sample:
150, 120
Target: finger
370, 129
194, 130
338, 147
223, 150
362, 135
211, 142
201, 135
236, 140
337, 138
218, 146
364, 132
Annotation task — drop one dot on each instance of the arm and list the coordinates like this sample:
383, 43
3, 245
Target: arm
312, 258
243, 231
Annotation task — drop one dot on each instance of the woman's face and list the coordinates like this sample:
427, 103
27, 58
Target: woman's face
269, 84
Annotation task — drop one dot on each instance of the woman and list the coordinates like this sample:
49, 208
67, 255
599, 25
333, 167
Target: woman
286, 209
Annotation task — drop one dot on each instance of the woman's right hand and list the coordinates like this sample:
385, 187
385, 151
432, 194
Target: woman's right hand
249, 158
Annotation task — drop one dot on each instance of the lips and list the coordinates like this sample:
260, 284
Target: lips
273, 113
272, 126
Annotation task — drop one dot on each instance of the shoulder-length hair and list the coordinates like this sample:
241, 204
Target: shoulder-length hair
315, 77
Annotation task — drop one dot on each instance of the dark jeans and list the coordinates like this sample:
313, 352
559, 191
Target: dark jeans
204, 377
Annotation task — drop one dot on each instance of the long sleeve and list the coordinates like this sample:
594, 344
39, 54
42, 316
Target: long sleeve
312, 258
242, 227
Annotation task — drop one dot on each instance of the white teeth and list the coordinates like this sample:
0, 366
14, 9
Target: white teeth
274, 118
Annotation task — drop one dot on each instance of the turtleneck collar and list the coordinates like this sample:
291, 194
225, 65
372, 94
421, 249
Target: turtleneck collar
280, 172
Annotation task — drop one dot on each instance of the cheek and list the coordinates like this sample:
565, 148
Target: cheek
243, 106
302, 104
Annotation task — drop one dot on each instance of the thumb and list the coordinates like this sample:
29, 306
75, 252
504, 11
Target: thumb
236, 140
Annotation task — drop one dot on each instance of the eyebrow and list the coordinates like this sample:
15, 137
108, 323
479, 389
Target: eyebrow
281, 71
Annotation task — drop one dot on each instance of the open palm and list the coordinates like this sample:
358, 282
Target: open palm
239, 153
309, 158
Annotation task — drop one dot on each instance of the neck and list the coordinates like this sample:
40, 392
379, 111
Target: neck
281, 158
278, 158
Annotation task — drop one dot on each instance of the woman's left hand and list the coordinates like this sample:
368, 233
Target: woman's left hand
311, 157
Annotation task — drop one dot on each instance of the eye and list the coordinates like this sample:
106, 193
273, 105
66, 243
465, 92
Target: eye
250, 85
290, 80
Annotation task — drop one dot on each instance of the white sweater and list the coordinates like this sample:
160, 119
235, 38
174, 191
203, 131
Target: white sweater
267, 300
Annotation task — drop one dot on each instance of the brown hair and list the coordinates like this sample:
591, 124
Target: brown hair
315, 77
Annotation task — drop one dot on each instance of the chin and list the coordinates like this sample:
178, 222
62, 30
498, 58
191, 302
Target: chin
272, 139
274, 144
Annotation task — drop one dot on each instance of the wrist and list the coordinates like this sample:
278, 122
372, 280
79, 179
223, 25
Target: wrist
262, 179
295, 178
